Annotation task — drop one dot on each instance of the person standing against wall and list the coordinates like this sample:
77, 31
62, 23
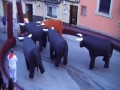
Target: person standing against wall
4, 21
12, 59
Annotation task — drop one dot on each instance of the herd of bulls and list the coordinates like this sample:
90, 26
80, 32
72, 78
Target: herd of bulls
59, 47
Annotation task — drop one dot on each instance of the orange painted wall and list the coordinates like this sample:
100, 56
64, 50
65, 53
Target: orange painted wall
100, 23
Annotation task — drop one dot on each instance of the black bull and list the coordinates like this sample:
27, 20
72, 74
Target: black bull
37, 34
32, 56
98, 47
58, 47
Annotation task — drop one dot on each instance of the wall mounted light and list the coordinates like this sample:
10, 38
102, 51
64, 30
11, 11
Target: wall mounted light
64, 2
38, 5
24, 0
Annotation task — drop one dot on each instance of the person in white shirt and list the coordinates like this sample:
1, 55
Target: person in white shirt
12, 59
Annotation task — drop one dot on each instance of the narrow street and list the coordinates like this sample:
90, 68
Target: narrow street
75, 76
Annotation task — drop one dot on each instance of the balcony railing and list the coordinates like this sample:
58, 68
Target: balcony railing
52, 1
56, 1
73, 1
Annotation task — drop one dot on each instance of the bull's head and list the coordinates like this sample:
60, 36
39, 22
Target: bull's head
45, 30
80, 39
21, 37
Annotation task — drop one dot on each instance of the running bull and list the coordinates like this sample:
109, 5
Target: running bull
32, 56
37, 34
97, 47
58, 47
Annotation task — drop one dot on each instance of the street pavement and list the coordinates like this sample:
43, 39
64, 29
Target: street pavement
74, 76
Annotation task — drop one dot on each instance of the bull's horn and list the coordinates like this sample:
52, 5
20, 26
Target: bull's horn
45, 30
79, 39
22, 24
38, 22
42, 24
20, 38
79, 34
52, 28
30, 35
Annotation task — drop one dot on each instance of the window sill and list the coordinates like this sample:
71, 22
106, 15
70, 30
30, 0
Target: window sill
103, 14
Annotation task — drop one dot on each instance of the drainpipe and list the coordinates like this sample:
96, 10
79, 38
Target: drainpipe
9, 20
20, 15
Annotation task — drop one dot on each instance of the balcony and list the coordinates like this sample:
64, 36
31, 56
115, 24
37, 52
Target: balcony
52, 1
47, 1
56, 1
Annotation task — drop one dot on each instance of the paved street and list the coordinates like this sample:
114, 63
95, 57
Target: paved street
75, 76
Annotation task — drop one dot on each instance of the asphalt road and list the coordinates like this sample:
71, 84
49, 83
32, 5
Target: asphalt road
75, 76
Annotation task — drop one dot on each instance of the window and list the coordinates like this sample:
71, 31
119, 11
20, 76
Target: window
83, 10
104, 8
52, 11
52, 1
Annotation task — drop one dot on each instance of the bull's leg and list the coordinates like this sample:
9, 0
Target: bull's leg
44, 40
57, 61
51, 54
34, 40
40, 45
65, 60
104, 58
27, 64
65, 55
32, 69
92, 62
55, 55
42, 70
107, 60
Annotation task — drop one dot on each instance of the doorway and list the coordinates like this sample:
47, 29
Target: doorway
73, 15
29, 12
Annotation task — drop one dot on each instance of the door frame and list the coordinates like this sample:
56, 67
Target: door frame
29, 12
73, 15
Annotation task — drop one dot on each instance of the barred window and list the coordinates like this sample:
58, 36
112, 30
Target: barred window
52, 11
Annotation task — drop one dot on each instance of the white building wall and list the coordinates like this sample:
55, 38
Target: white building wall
1, 8
63, 10
63, 13
14, 8
40, 9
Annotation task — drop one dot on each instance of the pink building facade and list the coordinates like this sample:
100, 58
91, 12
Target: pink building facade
102, 16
